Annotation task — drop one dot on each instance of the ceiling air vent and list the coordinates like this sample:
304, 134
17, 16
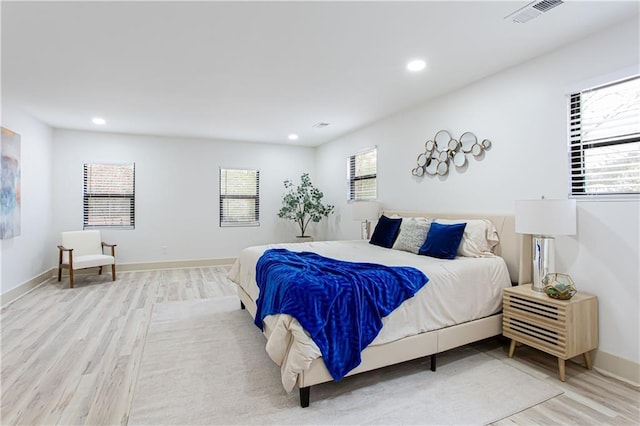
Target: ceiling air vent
320, 125
533, 10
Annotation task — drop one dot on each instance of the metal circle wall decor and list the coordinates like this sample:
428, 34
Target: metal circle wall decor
459, 159
443, 150
431, 167
442, 139
467, 140
422, 160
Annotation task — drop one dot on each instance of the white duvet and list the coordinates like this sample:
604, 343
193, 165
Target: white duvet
458, 291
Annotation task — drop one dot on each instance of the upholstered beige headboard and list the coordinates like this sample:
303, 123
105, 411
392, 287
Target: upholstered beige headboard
514, 248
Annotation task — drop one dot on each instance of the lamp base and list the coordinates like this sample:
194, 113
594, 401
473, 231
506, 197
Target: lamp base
365, 226
543, 260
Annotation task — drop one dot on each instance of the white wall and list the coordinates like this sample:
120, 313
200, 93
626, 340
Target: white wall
177, 192
523, 112
29, 255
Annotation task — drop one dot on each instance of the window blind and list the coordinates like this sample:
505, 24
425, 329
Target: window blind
604, 139
109, 196
239, 197
361, 175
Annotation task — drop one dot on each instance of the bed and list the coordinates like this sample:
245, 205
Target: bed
461, 303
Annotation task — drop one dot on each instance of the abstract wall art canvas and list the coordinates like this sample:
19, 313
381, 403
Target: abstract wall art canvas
10, 185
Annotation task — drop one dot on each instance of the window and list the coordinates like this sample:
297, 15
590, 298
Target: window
109, 196
604, 139
239, 197
361, 175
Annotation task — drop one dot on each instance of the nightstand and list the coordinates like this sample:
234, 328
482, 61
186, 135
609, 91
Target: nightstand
563, 328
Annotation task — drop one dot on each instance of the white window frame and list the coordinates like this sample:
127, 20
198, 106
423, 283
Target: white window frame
96, 186
352, 179
578, 146
226, 218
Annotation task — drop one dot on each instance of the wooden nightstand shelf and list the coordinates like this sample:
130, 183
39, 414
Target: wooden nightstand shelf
563, 328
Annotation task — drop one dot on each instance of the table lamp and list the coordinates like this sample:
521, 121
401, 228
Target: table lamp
544, 219
365, 211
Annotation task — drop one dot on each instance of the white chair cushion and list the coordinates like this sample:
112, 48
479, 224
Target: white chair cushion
92, 260
82, 242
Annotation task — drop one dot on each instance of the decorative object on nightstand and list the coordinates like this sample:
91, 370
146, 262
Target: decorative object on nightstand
559, 286
543, 219
563, 328
365, 211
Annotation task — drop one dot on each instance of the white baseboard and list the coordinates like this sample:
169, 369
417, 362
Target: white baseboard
174, 264
617, 367
24, 288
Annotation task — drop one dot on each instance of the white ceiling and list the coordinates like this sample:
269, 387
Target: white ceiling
257, 71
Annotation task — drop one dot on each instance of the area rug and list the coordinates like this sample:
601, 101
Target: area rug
204, 362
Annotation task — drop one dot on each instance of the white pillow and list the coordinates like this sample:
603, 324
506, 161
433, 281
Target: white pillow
419, 218
413, 233
480, 237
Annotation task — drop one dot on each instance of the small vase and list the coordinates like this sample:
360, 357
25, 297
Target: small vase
559, 286
305, 239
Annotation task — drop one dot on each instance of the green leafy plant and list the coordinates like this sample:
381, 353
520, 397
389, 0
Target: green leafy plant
303, 203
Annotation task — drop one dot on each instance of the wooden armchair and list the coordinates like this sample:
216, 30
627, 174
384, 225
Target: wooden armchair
84, 249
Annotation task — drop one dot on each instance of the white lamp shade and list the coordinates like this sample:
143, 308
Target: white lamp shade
365, 210
546, 217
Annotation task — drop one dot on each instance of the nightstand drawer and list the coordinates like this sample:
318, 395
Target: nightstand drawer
542, 313
547, 339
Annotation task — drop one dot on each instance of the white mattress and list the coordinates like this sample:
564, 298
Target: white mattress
458, 291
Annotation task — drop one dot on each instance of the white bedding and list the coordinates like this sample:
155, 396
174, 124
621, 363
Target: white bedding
458, 291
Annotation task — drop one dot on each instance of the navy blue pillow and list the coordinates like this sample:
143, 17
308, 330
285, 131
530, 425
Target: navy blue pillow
386, 232
443, 240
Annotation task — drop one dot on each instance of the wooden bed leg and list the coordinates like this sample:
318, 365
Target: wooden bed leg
242, 306
433, 362
304, 396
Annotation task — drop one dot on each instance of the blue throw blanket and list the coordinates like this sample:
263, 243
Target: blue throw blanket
340, 304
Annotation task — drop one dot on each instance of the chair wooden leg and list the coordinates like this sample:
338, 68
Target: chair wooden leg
100, 270
113, 272
59, 273
70, 278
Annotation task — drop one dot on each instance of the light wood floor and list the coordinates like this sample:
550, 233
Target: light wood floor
71, 356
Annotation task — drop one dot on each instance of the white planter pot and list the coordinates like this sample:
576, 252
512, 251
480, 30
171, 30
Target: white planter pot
305, 239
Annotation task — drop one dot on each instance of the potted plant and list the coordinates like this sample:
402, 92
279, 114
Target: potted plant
303, 204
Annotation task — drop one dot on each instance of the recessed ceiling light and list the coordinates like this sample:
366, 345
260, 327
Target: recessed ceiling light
293, 137
416, 65
99, 121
